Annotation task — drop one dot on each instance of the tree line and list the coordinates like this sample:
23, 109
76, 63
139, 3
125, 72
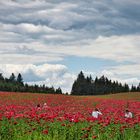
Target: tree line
16, 84
99, 86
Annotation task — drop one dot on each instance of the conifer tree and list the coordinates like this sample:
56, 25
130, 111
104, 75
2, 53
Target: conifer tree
99, 86
12, 78
1, 77
19, 79
58, 91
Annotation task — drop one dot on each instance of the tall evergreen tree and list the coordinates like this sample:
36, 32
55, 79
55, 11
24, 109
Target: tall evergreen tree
16, 85
138, 87
133, 88
126, 88
80, 85
1, 77
20, 79
74, 88
99, 86
89, 85
58, 91
12, 78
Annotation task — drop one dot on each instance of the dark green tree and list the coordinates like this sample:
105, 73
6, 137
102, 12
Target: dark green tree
20, 79
12, 78
1, 77
16, 85
133, 88
126, 88
80, 85
58, 91
99, 86
138, 87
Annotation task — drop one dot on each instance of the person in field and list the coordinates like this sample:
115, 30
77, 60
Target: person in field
96, 113
128, 114
38, 106
45, 106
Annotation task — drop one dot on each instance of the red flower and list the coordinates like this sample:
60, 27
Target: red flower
15, 123
85, 135
63, 124
45, 131
94, 137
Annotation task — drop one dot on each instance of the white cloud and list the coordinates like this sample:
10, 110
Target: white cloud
28, 59
66, 28
133, 70
124, 73
116, 48
25, 28
45, 31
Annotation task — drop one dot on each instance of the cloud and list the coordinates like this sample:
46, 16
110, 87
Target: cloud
116, 48
127, 2
75, 15
124, 73
132, 69
51, 30
36, 32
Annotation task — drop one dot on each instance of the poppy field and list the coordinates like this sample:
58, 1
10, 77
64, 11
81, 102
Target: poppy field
23, 116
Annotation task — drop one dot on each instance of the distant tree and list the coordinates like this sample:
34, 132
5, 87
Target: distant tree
26, 87
51, 90
12, 78
16, 85
74, 88
99, 86
66, 93
58, 91
89, 86
20, 79
138, 87
133, 88
126, 88
95, 86
80, 85
1, 77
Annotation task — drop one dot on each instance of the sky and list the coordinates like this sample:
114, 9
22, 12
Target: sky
51, 41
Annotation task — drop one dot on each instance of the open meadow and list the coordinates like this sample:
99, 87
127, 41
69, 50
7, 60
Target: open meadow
68, 117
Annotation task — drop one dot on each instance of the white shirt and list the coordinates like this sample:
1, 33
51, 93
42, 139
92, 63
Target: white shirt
96, 114
128, 115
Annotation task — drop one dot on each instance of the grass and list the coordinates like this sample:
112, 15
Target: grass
124, 96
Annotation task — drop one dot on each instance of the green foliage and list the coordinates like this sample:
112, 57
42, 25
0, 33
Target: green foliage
16, 85
12, 78
21, 129
20, 79
58, 91
100, 86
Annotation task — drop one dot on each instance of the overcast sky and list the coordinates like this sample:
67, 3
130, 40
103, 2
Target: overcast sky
51, 41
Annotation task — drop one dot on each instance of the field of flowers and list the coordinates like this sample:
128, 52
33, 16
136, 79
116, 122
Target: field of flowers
66, 118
